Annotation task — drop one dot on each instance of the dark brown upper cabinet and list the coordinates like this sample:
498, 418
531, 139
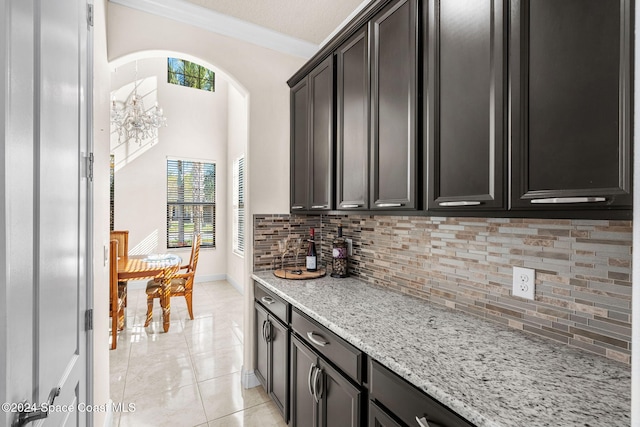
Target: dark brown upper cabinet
570, 68
312, 140
465, 123
394, 98
352, 123
299, 186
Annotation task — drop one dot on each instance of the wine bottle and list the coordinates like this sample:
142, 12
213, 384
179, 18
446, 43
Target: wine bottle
312, 255
339, 254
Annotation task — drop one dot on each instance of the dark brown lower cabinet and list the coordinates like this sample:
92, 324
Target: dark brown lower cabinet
409, 405
320, 395
272, 364
379, 418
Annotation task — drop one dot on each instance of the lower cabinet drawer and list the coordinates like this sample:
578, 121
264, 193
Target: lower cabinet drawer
407, 402
273, 303
342, 354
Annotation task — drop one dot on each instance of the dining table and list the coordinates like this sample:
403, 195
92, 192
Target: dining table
151, 266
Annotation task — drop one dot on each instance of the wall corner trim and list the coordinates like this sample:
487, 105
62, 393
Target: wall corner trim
249, 379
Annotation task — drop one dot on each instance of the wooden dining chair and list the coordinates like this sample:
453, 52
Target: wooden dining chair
181, 284
116, 296
122, 236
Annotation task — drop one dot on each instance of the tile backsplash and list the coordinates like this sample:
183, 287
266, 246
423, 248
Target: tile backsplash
583, 268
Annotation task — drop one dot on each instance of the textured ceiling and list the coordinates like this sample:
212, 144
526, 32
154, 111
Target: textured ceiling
309, 20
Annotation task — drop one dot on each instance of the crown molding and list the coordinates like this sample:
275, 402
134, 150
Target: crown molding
191, 14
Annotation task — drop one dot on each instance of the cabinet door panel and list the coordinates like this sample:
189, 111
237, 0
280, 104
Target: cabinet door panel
300, 146
352, 153
466, 114
571, 88
303, 406
378, 417
321, 88
341, 403
262, 351
279, 364
394, 93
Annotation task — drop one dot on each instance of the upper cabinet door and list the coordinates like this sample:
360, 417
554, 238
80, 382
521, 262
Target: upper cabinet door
465, 120
321, 138
394, 92
352, 112
300, 146
571, 104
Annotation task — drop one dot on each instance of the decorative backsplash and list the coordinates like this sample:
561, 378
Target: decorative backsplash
583, 268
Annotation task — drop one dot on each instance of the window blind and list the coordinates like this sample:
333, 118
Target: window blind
238, 206
191, 207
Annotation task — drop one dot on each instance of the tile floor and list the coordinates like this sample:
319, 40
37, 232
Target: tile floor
190, 376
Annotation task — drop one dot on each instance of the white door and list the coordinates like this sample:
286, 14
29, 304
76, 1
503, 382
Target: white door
44, 189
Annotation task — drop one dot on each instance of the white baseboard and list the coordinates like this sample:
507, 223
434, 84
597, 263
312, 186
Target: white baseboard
210, 278
249, 379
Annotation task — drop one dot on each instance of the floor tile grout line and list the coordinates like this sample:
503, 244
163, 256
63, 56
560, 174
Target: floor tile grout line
230, 330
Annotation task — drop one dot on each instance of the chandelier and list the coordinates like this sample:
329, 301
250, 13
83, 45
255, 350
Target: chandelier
133, 122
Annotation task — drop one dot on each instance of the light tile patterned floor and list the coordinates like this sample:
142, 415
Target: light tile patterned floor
190, 376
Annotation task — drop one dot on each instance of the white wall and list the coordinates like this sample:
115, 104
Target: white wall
238, 135
262, 73
196, 129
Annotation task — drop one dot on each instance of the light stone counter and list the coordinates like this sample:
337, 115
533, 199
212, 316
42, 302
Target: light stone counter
490, 374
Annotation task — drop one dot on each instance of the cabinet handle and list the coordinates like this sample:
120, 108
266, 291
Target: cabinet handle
422, 422
297, 207
316, 341
318, 207
267, 329
267, 300
459, 203
264, 333
317, 390
350, 206
311, 369
389, 205
553, 200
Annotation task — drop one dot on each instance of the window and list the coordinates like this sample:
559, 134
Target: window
191, 207
185, 73
238, 205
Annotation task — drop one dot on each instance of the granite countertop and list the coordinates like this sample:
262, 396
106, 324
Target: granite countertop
486, 372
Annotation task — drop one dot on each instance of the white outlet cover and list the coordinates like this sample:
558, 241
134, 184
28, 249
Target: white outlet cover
524, 283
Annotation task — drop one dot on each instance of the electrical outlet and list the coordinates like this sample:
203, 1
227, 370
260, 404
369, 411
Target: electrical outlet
349, 247
524, 282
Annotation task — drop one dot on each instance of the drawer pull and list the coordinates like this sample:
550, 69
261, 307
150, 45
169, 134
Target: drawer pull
311, 369
446, 204
319, 207
554, 200
422, 422
267, 300
317, 385
350, 206
315, 340
388, 205
297, 207
267, 329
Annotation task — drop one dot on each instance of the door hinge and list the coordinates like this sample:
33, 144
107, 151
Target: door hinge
88, 320
90, 14
89, 165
